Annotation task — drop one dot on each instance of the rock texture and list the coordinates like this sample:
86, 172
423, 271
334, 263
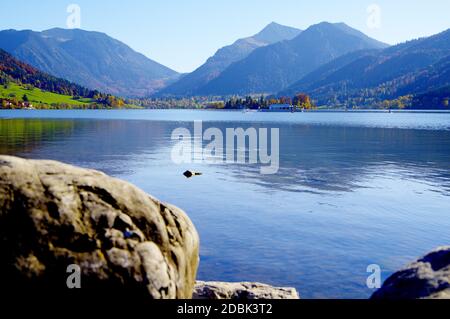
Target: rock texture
244, 290
426, 278
53, 215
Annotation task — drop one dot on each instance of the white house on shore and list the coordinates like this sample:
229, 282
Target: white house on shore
281, 108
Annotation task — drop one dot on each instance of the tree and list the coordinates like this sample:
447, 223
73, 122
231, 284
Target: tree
285, 100
262, 101
303, 101
4, 104
273, 101
25, 98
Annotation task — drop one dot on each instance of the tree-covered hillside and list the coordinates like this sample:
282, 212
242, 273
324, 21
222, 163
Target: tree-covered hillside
22, 85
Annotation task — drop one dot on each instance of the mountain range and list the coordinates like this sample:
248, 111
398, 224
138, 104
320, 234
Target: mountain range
224, 57
331, 62
413, 67
272, 68
91, 59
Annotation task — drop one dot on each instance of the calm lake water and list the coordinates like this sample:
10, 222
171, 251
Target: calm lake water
353, 189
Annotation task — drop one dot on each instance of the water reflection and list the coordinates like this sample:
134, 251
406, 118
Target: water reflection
329, 158
20, 135
312, 158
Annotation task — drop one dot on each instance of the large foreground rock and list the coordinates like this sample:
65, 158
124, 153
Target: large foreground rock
244, 290
53, 215
426, 278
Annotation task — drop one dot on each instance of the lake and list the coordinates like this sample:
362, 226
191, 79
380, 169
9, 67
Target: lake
353, 189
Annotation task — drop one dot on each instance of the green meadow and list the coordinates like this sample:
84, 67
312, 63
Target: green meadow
38, 96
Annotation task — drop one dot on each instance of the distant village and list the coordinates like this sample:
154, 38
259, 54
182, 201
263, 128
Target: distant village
16, 104
300, 101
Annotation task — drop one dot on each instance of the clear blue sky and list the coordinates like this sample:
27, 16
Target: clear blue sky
182, 34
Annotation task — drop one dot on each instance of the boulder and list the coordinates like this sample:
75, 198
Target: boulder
53, 215
242, 290
426, 278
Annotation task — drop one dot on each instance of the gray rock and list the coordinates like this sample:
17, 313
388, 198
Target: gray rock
53, 215
243, 290
426, 278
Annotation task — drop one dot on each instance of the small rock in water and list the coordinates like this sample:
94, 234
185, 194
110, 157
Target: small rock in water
189, 174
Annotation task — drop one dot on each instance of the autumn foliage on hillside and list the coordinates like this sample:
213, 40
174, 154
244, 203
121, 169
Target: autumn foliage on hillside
26, 74
13, 70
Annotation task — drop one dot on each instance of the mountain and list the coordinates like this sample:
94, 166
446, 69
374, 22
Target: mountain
409, 68
225, 56
437, 99
271, 68
21, 83
91, 59
14, 70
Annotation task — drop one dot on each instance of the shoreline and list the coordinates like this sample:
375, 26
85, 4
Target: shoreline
234, 110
